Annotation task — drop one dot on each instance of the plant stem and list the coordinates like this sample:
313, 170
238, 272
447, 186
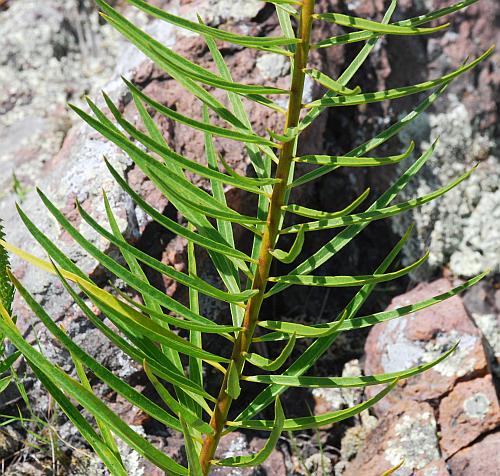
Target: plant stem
269, 239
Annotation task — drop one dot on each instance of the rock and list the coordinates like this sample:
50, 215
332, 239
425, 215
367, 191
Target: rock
10, 441
469, 411
408, 432
483, 304
422, 337
235, 444
334, 399
481, 458
458, 228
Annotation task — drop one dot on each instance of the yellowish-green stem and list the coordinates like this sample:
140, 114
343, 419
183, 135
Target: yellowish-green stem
269, 238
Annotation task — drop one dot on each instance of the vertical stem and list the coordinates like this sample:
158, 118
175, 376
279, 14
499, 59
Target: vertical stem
269, 239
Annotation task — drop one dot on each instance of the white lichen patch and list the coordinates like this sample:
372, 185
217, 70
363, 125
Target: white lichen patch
273, 66
416, 442
490, 327
459, 228
477, 406
458, 364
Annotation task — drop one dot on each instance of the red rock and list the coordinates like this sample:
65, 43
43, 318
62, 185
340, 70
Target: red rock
480, 459
468, 412
421, 337
407, 433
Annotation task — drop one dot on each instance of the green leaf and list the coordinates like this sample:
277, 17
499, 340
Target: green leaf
139, 155
272, 365
117, 269
411, 22
233, 381
311, 355
347, 281
201, 126
247, 41
107, 436
376, 141
192, 454
295, 250
347, 161
88, 400
8, 362
201, 325
172, 60
180, 411
173, 226
106, 454
327, 251
317, 214
381, 28
182, 278
4, 383
265, 452
369, 216
395, 93
302, 330
115, 383
330, 83
347, 382
312, 422
284, 329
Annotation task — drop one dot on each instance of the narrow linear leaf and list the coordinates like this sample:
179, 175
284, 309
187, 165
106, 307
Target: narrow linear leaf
248, 41
233, 381
107, 456
192, 455
369, 216
265, 452
347, 161
314, 352
180, 411
347, 281
310, 423
396, 93
330, 83
272, 365
125, 390
107, 436
202, 126
173, 226
170, 271
368, 25
348, 382
317, 214
410, 22
290, 256
283, 329
88, 400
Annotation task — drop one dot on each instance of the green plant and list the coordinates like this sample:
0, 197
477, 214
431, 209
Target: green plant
145, 332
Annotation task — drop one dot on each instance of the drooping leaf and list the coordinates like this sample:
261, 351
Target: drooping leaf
269, 445
318, 214
233, 381
272, 365
290, 256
